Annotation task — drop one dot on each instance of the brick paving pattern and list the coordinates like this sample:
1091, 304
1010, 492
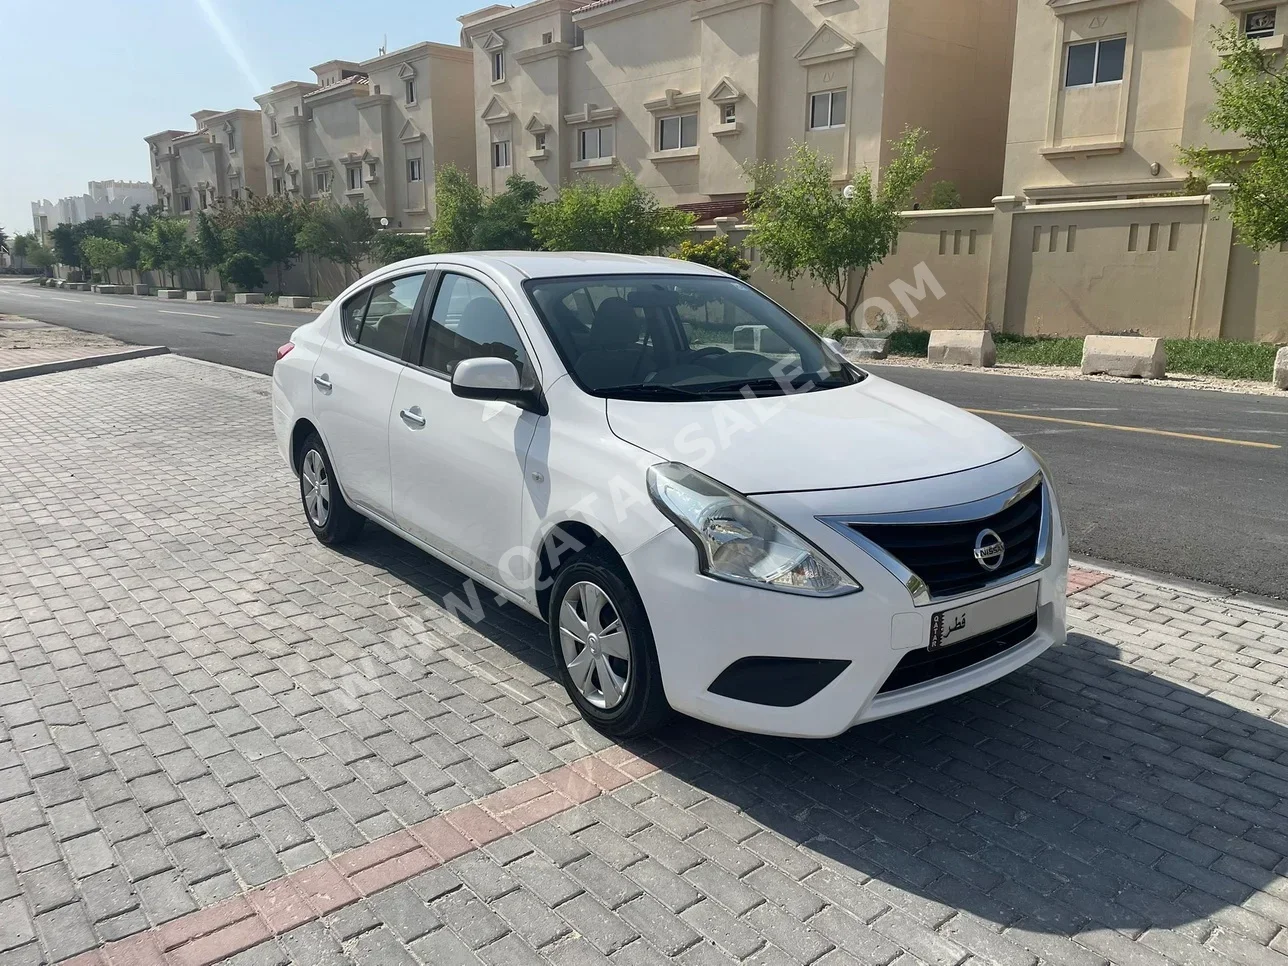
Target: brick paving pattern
208, 720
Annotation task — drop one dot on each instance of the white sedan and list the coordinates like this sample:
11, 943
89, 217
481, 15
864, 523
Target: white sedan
713, 511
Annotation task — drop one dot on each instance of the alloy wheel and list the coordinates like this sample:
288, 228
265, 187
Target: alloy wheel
316, 486
596, 649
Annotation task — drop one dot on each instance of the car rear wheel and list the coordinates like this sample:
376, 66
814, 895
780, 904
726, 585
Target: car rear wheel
330, 518
604, 649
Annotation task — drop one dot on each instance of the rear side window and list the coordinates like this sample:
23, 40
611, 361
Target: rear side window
379, 317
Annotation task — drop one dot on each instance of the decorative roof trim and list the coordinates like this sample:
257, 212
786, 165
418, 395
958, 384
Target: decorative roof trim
410, 133
841, 47
536, 126
673, 100
496, 112
725, 91
589, 113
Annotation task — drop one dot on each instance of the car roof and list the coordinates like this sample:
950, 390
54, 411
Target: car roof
523, 265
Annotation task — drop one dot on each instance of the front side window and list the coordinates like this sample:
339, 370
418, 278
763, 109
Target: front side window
410, 90
413, 169
680, 131
676, 337
469, 322
594, 142
1097, 62
827, 109
500, 154
498, 65
1259, 23
378, 318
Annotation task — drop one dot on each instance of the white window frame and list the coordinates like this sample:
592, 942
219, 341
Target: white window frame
498, 66
547, 38
277, 184
578, 37
1261, 32
832, 123
321, 182
272, 125
728, 113
583, 141
353, 175
676, 121
501, 154
415, 170
409, 90
539, 141
232, 142
1095, 64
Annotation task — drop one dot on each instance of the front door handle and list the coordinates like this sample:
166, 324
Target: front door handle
322, 382
413, 416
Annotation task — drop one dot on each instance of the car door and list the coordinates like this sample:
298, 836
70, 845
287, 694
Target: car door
354, 381
457, 464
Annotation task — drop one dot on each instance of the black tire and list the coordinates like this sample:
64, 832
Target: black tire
643, 706
340, 523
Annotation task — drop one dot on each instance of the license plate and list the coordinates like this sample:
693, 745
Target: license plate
950, 627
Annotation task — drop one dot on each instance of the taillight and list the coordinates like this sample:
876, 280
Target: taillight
283, 350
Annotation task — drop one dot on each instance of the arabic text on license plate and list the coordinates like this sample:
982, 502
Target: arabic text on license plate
950, 627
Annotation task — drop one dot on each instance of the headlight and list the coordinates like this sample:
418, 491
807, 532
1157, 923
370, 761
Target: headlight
1050, 485
740, 542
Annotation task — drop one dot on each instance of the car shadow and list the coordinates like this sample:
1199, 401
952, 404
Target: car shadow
1079, 792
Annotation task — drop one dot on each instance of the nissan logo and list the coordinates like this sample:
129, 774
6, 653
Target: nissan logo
989, 550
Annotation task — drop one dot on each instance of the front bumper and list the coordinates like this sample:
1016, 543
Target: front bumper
702, 626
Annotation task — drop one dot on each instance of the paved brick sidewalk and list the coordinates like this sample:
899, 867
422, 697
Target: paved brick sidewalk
197, 702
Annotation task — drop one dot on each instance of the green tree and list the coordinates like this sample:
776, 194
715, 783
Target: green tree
161, 247
40, 256
719, 253
103, 255
392, 246
505, 223
459, 202
21, 244
208, 247
65, 240
339, 233
1251, 103
244, 271
264, 226
803, 226
944, 194
624, 217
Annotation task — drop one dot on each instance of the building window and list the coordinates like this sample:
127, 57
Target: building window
1259, 23
539, 140
498, 65
232, 141
272, 125
413, 169
594, 142
680, 131
827, 109
728, 114
277, 184
578, 37
185, 203
547, 38
201, 198
410, 90
320, 182
237, 194
355, 178
1097, 62
500, 154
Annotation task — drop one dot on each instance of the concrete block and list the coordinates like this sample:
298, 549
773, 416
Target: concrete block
249, 298
295, 302
1124, 355
199, 296
170, 293
218, 296
857, 348
962, 347
319, 304
1281, 368
142, 289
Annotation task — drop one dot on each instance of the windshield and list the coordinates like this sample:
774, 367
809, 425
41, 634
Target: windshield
680, 337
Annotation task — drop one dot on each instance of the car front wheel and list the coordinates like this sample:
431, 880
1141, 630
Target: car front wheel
604, 649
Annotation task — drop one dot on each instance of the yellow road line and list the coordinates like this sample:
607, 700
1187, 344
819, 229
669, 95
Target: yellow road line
1125, 429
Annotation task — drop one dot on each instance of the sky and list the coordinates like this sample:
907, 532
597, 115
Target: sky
84, 83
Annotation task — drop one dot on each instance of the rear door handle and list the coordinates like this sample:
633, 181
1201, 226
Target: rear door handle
322, 382
413, 416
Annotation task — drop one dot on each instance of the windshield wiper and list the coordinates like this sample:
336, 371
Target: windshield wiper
805, 382
653, 389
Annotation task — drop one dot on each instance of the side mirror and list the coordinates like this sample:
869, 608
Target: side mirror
495, 378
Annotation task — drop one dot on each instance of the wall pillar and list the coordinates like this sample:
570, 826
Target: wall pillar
999, 264
1213, 268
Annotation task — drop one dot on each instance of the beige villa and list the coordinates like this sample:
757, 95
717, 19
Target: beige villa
683, 93
222, 158
372, 131
1104, 91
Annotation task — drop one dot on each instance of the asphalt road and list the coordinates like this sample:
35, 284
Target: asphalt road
244, 336
1164, 480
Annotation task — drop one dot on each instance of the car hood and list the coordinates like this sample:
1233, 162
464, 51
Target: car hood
870, 433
